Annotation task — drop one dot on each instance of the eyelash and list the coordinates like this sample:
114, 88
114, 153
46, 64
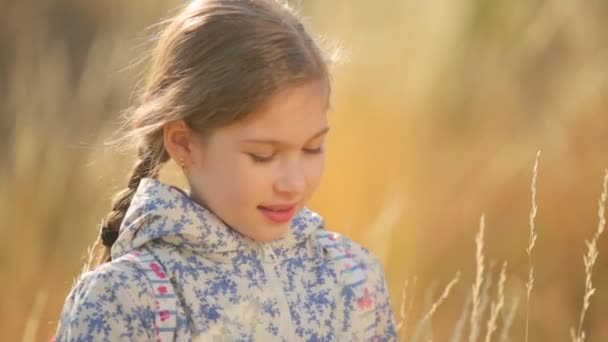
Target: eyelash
258, 159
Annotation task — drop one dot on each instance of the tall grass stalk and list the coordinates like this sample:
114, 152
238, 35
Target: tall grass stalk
486, 297
531, 243
589, 260
500, 301
507, 320
460, 324
476, 290
33, 321
427, 317
405, 308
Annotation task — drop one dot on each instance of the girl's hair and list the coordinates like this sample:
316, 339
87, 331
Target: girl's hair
215, 62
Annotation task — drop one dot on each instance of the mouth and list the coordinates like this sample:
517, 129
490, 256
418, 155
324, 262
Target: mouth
278, 207
278, 213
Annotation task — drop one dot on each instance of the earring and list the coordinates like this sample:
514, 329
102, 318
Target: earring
182, 163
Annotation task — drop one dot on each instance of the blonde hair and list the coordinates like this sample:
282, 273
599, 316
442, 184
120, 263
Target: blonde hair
215, 62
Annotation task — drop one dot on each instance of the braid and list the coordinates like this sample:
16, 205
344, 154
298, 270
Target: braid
147, 165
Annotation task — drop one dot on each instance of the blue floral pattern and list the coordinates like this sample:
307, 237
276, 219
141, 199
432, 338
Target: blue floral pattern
310, 285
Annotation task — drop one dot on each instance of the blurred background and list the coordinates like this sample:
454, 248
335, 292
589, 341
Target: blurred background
438, 113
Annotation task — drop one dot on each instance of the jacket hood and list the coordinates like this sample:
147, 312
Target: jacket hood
162, 211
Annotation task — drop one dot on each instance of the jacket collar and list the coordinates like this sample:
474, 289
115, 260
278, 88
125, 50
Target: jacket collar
162, 211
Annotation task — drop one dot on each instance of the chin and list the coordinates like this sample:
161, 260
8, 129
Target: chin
271, 236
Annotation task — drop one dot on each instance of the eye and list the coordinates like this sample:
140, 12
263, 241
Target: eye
260, 159
314, 150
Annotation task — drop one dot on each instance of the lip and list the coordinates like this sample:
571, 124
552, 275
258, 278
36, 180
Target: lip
282, 216
278, 206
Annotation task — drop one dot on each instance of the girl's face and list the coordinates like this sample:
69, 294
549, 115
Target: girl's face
272, 157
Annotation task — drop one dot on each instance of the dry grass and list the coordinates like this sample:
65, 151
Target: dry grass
462, 320
589, 261
507, 320
425, 321
405, 308
531, 243
497, 307
476, 291
441, 105
475, 298
33, 321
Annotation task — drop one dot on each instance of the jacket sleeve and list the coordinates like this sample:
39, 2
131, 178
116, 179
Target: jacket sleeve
381, 326
109, 303
385, 329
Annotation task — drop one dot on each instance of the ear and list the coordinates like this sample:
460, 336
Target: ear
179, 142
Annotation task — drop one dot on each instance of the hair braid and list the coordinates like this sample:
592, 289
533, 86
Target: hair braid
147, 165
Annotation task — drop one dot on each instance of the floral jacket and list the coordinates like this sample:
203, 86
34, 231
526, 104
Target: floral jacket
310, 285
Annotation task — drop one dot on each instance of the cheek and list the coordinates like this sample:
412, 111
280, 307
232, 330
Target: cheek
315, 172
247, 183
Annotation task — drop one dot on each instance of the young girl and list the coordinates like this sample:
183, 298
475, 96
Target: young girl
237, 95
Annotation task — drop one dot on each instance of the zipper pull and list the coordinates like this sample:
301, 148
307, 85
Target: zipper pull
268, 253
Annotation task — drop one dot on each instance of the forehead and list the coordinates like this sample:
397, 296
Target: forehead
292, 114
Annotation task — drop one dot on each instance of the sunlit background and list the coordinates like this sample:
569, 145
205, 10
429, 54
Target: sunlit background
439, 109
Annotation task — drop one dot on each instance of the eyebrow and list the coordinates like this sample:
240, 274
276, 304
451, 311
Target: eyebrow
279, 143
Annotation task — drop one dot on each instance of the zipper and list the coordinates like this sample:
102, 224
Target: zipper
286, 326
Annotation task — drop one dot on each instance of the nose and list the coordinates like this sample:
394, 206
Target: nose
292, 180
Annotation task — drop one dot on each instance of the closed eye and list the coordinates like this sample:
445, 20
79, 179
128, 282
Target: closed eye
259, 159
263, 159
314, 150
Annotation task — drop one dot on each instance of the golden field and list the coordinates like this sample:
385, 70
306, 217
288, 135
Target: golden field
439, 109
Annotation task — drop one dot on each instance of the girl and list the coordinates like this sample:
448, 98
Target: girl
237, 95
